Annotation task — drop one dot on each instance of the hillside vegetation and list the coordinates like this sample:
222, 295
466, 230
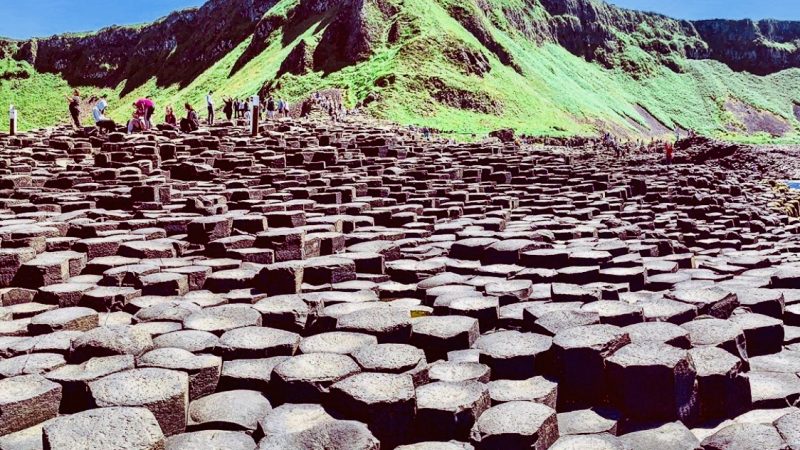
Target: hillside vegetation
543, 67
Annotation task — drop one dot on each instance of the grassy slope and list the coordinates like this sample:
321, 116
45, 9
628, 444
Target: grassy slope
559, 94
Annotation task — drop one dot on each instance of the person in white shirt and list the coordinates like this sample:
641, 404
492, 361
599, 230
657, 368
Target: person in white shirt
210, 103
100, 120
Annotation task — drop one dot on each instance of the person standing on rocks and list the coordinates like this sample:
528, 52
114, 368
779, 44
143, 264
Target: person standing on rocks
210, 104
271, 108
669, 150
280, 107
105, 124
75, 108
285, 108
146, 108
228, 108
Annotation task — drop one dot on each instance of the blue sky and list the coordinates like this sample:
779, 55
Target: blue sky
718, 9
21, 19
26, 18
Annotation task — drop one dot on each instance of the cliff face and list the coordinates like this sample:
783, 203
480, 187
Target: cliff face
182, 45
174, 49
761, 48
603, 33
484, 63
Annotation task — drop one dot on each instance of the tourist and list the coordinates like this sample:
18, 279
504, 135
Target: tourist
236, 106
210, 104
75, 108
170, 118
147, 108
105, 124
669, 149
242, 108
270, 108
137, 123
192, 120
228, 108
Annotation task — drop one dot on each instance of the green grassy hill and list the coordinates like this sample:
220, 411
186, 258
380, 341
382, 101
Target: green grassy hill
469, 66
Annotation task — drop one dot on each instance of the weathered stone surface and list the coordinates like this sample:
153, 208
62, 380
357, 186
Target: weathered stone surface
516, 425
744, 435
659, 372
237, 410
109, 341
307, 378
580, 355
514, 355
123, 428
670, 436
385, 402
439, 335
257, 342
254, 374
220, 319
449, 410
203, 370
210, 440
164, 392
588, 421
536, 389
27, 400
75, 379
334, 434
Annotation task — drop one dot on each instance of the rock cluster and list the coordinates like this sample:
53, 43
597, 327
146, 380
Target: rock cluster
354, 286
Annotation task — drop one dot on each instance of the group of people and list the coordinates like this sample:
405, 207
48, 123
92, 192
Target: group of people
144, 110
335, 109
666, 146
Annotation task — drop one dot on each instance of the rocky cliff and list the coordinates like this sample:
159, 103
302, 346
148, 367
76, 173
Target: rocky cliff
451, 54
178, 47
174, 49
761, 48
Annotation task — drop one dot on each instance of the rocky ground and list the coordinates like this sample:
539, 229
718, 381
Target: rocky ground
349, 286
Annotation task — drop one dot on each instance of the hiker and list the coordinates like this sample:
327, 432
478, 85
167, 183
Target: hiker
192, 120
137, 123
247, 115
236, 106
105, 124
242, 108
170, 118
280, 107
12, 119
210, 103
669, 149
228, 108
271, 108
147, 108
75, 108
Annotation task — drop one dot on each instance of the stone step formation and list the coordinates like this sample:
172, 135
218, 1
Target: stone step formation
356, 286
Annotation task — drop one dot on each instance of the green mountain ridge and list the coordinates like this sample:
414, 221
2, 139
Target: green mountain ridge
543, 67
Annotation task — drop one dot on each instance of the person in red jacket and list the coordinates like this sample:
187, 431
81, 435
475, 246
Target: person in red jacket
669, 150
